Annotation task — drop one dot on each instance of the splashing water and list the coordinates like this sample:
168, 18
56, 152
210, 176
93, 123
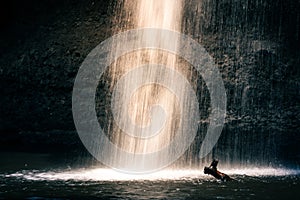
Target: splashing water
147, 111
152, 77
102, 174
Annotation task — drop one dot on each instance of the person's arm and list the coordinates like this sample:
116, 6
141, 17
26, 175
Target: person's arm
214, 164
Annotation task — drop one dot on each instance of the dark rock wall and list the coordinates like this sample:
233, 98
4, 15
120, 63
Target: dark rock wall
42, 47
255, 45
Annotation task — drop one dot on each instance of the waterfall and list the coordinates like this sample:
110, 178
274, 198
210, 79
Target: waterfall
144, 106
147, 119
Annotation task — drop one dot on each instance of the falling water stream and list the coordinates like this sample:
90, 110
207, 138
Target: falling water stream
147, 119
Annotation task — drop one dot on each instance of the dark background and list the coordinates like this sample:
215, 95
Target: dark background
255, 45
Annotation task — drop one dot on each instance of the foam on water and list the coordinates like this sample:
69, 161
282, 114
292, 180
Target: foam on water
101, 174
262, 171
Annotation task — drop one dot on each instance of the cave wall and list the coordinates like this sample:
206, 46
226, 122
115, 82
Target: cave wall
43, 45
255, 45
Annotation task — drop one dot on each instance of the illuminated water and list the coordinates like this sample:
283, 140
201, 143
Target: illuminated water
43, 176
107, 184
146, 113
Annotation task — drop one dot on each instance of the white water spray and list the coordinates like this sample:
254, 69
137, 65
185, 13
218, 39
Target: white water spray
147, 112
154, 103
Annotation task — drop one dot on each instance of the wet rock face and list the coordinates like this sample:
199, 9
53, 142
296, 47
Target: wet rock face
42, 47
255, 45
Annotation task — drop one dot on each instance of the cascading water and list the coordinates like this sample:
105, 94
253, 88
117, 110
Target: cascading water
144, 113
147, 113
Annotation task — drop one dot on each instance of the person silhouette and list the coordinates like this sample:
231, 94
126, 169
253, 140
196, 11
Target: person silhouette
212, 170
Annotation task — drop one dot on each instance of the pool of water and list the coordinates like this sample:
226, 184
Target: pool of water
32, 180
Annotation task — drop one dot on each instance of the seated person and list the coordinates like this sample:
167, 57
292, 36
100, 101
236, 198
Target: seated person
212, 170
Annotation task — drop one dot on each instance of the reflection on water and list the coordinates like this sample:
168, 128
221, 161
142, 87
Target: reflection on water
46, 176
101, 174
167, 184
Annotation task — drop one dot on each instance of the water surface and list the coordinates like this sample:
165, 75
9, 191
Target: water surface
43, 178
